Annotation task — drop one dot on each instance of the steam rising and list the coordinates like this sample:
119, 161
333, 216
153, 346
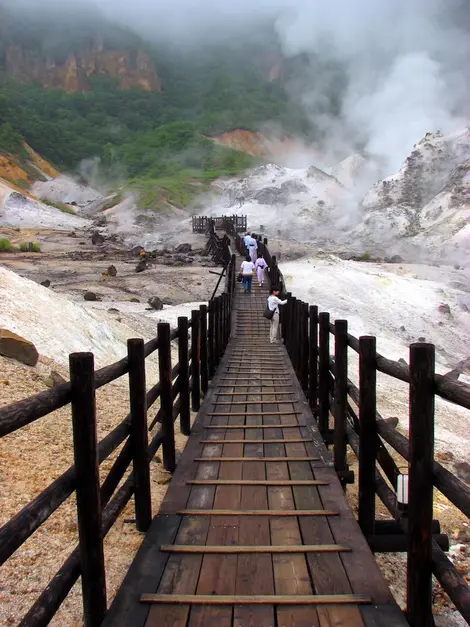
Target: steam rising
398, 69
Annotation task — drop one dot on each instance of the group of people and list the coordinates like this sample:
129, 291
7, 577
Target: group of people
255, 263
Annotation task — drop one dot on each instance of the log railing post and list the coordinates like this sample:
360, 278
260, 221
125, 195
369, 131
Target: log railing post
292, 336
324, 372
286, 313
211, 340
82, 382
204, 366
166, 396
139, 434
313, 357
368, 440
341, 394
304, 347
195, 360
420, 499
183, 376
217, 329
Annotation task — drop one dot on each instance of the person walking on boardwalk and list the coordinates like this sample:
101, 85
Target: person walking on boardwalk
260, 266
247, 269
273, 304
253, 247
246, 240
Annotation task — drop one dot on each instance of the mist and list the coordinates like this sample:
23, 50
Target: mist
394, 70
404, 64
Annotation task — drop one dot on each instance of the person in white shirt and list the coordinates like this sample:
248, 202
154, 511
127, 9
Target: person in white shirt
246, 239
247, 269
273, 304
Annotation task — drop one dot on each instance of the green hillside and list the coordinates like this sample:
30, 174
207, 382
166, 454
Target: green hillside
145, 135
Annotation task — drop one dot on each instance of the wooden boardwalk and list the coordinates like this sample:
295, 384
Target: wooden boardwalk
255, 528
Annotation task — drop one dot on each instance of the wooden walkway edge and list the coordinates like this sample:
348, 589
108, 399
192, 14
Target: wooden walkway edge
243, 537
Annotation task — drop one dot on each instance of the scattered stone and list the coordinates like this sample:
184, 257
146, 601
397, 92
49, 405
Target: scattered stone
72, 234
113, 310
54, 379
134, 300
464, 307
111, 271
183, 249
396, 259
141, 266
135, 252
462, 470
444, 456
392, 421
402, 328
155, 303
444, 309
421, 339
456, 266
97, 238
17, 347
90, 296
46, 283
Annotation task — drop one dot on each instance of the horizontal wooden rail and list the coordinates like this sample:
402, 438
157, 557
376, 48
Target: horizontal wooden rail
261, 599
452, 391
26, 411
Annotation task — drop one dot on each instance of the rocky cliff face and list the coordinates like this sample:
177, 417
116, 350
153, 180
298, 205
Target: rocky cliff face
132, 69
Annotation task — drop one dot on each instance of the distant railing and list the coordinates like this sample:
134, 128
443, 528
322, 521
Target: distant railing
230, 224
179, 389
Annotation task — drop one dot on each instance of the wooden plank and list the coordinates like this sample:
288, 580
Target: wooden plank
256, 459
291, 574
257, 512
261, 413
383, 616
143, 575
327, 571
217, 575
265, 441
254, 572
221, 482
182, 571
244, 427
253, 402
230, 549
266, 599
360, 565
254, 393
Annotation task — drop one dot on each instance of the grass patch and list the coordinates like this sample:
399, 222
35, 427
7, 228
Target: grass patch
178, 190
61, 206
365, 257
30, 247
5, 245
112, 202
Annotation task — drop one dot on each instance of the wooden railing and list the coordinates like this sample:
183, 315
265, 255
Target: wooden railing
347, 414
179, 389
231, 224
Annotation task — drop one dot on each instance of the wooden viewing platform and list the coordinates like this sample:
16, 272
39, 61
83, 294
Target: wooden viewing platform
255, 528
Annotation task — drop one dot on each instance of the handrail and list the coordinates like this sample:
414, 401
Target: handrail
173, 389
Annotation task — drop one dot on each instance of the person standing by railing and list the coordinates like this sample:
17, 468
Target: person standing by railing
273, 304
247, 269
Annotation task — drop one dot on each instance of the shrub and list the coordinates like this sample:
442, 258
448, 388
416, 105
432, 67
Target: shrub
5, 245
365, 257
61, 206
30, 247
